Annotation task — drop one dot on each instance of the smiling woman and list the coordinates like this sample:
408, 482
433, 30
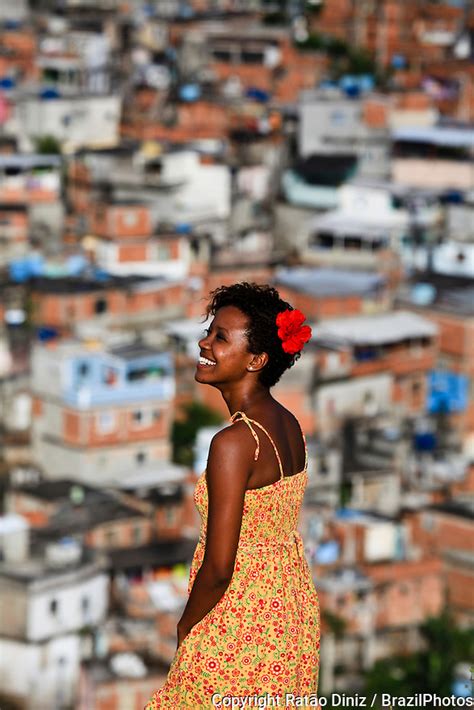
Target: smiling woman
252, 621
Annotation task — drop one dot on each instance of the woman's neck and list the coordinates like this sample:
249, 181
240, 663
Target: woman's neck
248, 400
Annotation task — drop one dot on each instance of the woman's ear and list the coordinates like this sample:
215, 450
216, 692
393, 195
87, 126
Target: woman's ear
258, 362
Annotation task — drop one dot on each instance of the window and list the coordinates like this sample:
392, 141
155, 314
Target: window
83, 370
163, 252
323, 467
130, 219
85, 606
137, 535
250, 56
100, 306
338, 117
106, 422
53, 607
222, 55
137, 416
140, 457
144, 372
142, 418
110, 536
353, 243
325, 240
363, 354
170, 515
109, 376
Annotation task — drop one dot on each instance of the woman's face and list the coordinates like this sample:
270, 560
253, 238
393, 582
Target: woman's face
224, 355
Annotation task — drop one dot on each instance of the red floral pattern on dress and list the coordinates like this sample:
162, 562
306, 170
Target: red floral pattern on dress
263, 635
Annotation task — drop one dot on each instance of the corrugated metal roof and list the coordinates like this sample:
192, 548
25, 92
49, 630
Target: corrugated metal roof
317, 281
438, 135
375, 330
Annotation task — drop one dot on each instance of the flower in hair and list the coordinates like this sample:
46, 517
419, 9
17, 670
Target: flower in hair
291, 330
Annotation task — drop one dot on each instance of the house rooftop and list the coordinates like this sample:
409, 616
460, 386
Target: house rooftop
378, 329
162, 475
102, 670
342, 579
159, 554
364, 226
439, 292
455, 137
186, 328
29, 161
38, 570
460, 507
133, 351
316, 281
54, 490
96, 508
72, 284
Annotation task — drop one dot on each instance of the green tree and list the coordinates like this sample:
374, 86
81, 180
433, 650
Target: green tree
429, 670
47, 145
336, 623
184, 430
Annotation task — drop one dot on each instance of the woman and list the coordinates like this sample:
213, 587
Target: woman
251, 625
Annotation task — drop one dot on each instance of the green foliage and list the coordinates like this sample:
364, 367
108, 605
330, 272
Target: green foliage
360, 62
275, 18
345, 493
336, 623
346, 59
47, 145
429, 670
184, 431
311, 8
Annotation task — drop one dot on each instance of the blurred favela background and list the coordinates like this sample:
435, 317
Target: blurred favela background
152, 151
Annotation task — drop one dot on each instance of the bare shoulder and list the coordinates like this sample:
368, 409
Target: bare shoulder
230, 459
235, 439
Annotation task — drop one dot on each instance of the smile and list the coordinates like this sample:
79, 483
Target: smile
204, 361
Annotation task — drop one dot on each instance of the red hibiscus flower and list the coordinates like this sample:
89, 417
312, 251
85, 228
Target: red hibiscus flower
291, 330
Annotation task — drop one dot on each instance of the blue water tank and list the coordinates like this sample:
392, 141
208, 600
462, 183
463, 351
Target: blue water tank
257, 94
49, 94
7, 82
190, 92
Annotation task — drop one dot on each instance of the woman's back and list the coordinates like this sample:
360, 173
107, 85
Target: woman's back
281, 441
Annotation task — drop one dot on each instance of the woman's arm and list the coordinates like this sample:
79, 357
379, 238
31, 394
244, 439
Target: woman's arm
228, 470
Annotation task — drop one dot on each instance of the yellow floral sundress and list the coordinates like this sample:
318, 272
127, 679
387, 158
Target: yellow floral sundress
262, 636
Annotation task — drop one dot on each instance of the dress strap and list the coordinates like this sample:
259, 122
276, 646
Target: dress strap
249, 422
305, 447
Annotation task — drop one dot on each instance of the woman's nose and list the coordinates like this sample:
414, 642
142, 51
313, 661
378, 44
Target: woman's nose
203, 341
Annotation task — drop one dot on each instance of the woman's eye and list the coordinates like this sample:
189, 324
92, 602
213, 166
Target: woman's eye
207, 332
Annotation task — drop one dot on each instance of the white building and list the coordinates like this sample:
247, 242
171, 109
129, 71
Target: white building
335, 125
78, 121
45, 602
197, 192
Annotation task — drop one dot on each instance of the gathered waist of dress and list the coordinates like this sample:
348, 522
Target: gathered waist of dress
291, 539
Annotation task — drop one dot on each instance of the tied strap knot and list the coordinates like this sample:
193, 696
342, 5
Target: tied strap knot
245, 418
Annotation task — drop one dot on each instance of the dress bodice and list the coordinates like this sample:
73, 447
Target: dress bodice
270, 513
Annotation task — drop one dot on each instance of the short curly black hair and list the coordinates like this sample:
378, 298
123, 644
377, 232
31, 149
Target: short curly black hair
261, 303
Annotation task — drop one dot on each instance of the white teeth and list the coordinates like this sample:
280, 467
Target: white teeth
205, 361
